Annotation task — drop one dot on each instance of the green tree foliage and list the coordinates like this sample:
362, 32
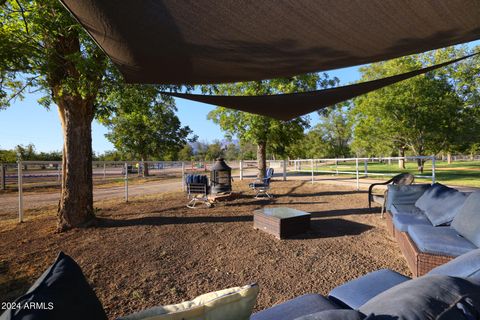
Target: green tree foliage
144, 123
263, 131
186, 153
214, 151
424, 114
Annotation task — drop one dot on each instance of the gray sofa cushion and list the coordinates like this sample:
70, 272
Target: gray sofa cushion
405, 209
439, 240
356, 292
467, 221
400, 194
441, 203
295, 308
402, 221
422, 298
334, 315
465, 266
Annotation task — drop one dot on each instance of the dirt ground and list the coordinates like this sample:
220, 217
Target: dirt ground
155, 251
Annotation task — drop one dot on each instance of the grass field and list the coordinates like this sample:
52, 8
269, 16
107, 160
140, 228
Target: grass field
461, 173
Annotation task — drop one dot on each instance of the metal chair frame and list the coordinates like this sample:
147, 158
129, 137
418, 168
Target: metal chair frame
197, 193
400, 179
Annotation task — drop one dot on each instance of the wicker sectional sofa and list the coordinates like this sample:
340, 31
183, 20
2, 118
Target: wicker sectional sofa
432, 224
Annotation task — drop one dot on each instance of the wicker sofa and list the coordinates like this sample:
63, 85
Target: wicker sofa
432, 223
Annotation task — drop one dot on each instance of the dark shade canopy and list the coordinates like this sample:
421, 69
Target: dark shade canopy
289, 106
215, 41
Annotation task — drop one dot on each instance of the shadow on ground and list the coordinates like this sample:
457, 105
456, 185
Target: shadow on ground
344, 212
158, 221
330, 228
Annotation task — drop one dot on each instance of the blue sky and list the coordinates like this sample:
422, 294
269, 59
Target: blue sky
27, 122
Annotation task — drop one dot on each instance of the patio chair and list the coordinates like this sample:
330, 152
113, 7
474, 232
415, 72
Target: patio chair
197, 190
381, 197
261, 187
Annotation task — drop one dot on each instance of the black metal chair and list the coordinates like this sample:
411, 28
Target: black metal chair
401, 179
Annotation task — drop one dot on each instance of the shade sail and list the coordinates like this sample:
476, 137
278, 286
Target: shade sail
289, 106
216, 41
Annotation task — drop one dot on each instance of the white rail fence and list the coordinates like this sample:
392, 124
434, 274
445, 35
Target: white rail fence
360, 166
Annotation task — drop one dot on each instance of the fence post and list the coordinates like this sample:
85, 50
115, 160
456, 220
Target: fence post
311, 162
285, 164
126, 182
59, 166
183, 176
366, 168
104, 171
3, 175
356, 169
20, 192
241, 169
433, 170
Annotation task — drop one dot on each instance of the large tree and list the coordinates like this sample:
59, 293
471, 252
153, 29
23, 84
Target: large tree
424, 114
144, 123
263, 131
43, 48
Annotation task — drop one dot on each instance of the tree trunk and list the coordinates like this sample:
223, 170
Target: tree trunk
449, 158
401, 162
76, 202
261, 159
420, 163
145, 167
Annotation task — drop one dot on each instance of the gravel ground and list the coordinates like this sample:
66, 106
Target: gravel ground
154, 250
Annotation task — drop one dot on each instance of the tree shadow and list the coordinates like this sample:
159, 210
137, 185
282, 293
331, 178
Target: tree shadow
331, 228
158, 221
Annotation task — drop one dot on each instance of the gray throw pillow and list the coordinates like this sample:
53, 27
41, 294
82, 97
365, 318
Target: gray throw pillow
467, 221
441, 203
401, 194
334, 315
422, 298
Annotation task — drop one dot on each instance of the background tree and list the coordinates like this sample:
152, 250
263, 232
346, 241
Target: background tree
423, 114
186, 153
144, 123
214, 151
266, 132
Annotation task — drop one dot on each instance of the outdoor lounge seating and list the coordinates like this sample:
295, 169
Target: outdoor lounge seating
432, 224
197, 190
262, 187
381, 196
451, 291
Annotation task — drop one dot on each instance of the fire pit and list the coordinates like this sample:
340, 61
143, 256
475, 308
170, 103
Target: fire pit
221, 177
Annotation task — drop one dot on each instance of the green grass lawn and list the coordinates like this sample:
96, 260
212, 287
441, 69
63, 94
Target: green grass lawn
461, 173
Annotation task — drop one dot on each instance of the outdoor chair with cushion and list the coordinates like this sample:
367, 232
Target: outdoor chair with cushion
261, 187
381, 195
197, 190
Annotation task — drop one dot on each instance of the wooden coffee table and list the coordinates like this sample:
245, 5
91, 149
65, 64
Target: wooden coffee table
281, 222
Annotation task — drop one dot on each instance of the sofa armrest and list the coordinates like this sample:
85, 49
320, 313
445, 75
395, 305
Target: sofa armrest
404, 194
357, 292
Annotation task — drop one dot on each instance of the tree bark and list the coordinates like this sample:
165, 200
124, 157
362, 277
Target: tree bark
144, 167
449, 158
401, 162
76, 202
420, 163
261, 159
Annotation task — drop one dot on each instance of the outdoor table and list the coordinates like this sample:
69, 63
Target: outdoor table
281, 222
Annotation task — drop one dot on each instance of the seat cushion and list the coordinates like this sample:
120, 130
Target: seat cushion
355, 293
465, 266
405, 209
334, 315
64, 292
295, 308
400, 194
427, 297
234, 303
402, 221
439, 240
467, 221
441, 203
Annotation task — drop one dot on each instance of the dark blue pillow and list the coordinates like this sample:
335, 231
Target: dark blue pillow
334, 315
61, 293
427, 297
